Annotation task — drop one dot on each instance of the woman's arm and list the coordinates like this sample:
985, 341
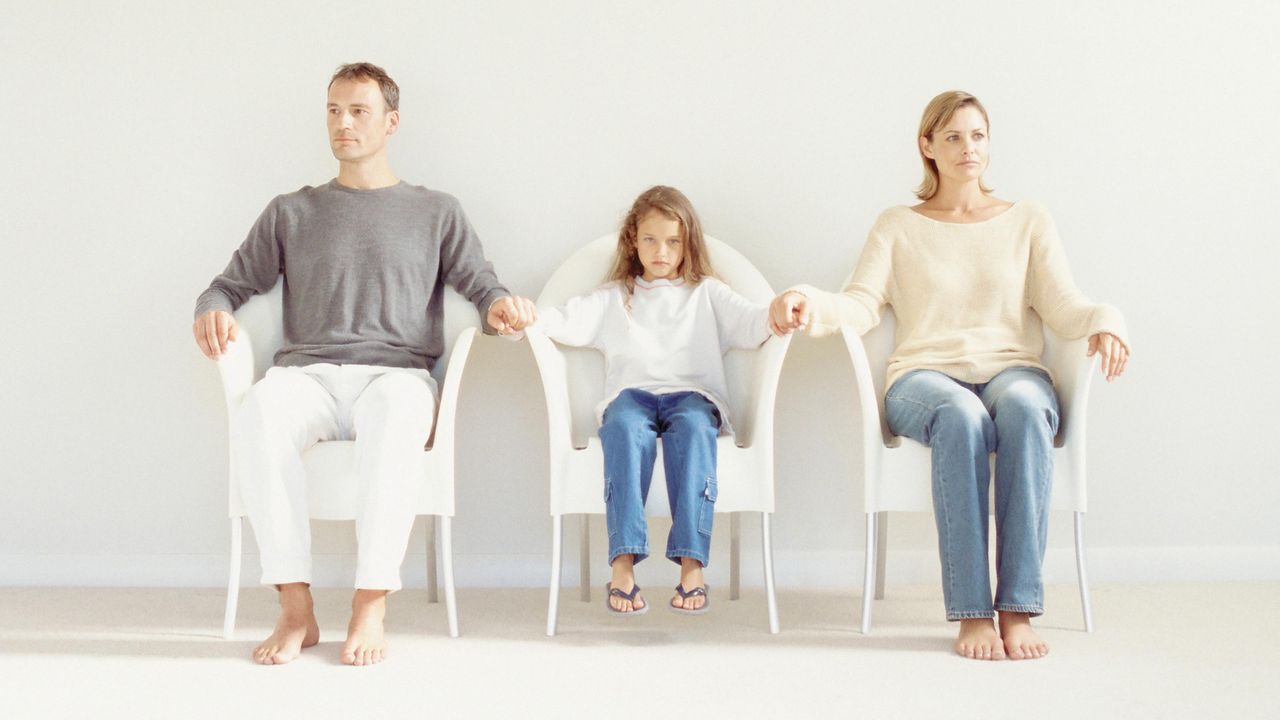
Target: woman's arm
1053, 294
865, 292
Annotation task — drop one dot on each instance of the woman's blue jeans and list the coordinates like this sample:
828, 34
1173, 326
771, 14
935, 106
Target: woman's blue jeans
688, 424
1015, 415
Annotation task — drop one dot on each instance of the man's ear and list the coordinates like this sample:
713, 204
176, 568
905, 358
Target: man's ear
393, 122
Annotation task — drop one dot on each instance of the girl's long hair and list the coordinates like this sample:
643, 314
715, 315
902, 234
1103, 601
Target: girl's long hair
672, 204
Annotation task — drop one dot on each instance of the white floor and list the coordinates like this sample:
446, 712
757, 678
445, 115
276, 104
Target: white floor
1159, 651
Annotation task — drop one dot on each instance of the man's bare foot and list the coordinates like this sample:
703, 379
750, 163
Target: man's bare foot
624, 578
978, 640
1020, 641
365, 643
690, 578
296, 628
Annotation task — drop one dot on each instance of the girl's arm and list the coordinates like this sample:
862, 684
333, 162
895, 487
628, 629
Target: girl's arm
865, 292
741, 323
578, 322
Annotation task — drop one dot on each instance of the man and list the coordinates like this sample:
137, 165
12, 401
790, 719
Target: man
364, 257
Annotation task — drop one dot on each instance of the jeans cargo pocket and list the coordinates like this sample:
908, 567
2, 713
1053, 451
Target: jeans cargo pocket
610, 512
707, 513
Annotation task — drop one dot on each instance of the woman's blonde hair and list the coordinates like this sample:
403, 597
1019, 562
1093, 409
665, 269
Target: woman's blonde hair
938, 113
672, 204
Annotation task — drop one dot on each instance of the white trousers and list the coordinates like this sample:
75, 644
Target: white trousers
387, 411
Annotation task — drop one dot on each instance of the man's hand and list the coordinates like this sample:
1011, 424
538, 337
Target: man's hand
1114, 354
214, 330
789, 311
511, 314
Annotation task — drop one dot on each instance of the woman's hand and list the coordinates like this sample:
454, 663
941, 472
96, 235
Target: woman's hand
1114, 353
789, 311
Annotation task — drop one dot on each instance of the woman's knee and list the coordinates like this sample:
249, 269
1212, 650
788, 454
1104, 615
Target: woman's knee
1026, 405
963, 415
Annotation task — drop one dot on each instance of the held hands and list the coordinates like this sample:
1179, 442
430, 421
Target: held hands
511, 314
1114, 354
789, 311
214, 330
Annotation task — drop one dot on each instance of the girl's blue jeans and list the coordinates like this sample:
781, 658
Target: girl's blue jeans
688, 424
1015, 415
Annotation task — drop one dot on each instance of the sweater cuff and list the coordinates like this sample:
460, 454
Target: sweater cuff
1107, 319
486, 304
212, 300
822, 320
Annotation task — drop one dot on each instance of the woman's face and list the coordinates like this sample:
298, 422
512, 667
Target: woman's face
959, 147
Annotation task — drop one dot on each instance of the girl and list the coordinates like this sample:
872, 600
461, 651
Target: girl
970, 278
663, 323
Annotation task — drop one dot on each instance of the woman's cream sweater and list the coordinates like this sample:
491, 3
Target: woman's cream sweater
968, 298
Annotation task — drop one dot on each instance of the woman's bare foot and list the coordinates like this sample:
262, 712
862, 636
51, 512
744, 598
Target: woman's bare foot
365, 643
624, 578
978, 640
296, 628
690, 578
1020, 641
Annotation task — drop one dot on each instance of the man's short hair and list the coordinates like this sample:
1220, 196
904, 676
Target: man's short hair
369, 71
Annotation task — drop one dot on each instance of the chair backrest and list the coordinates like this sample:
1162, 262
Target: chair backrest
262, 318
586, 269
1062, 357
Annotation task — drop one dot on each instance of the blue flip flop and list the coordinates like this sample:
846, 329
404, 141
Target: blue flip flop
685, 595
629, 597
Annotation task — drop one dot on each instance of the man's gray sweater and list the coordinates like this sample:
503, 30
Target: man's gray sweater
364, 273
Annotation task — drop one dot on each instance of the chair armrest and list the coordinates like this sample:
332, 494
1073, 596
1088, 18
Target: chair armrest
875, 431
236, 370
442, 433
1073, 373
766, 372
555, 390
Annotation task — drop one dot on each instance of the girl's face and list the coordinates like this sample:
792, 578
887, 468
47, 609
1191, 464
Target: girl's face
660, 246
960, 147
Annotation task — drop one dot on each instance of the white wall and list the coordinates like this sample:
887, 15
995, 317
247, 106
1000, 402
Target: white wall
141, 141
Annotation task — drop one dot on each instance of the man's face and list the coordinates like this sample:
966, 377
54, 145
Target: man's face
359, 123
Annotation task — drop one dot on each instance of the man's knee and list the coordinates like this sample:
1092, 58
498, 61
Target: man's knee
274, 399
399, 395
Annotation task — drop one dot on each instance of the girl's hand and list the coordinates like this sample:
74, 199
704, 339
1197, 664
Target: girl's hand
789, 311
1114, 354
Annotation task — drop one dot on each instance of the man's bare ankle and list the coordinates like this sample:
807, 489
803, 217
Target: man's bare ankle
295, 596
368, 598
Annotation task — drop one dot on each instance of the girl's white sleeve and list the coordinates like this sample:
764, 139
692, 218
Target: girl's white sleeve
578, 322
741, 323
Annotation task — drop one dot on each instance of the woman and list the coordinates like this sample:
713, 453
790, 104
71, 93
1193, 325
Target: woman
969, 277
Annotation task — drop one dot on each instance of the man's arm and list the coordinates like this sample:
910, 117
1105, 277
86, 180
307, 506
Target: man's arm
463, 266
253, 269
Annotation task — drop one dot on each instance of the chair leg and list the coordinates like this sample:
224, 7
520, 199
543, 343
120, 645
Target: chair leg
553, 602
882, 550
433, 589
233, 581
869, 572
584, 558
735, 556
446, 547
766, 541
1085, 605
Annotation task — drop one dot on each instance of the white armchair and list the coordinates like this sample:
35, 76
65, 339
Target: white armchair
896, 470
330, 466
573, 384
